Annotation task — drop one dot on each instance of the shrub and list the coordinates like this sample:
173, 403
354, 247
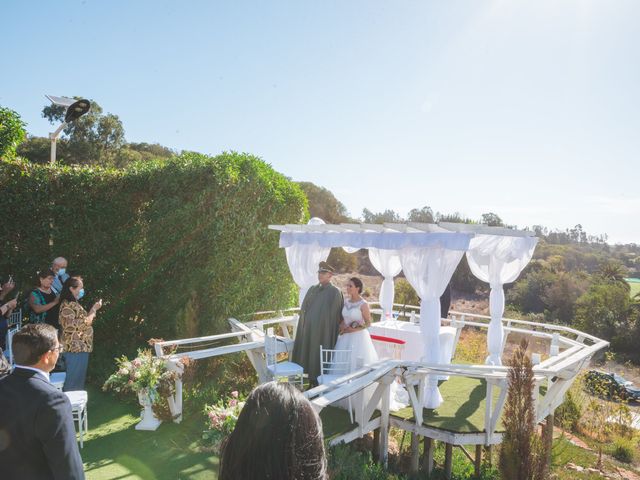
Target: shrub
522, 453
405, 294
569, 413
172, 246
623, 449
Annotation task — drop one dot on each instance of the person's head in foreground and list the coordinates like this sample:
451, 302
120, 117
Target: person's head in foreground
36, 345
278, 437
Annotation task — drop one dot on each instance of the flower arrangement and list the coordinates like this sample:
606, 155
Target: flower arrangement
145, 374
221, 420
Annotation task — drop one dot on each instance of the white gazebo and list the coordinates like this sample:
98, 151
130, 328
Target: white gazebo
428, 254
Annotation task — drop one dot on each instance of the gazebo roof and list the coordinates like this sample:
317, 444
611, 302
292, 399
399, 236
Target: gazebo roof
389, 236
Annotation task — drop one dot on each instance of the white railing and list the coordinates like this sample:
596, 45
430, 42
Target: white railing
569, 351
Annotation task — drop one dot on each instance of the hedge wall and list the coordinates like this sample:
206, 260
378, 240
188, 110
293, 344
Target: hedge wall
173, 247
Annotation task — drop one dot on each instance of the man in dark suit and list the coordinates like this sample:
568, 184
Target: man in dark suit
37, 436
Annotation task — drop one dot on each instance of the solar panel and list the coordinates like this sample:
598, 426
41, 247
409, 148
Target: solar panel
62, 101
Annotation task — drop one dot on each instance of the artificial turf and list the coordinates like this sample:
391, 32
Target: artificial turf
113, 449
461, 411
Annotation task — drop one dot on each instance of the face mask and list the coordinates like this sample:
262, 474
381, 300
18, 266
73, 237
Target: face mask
62, 271
81, 293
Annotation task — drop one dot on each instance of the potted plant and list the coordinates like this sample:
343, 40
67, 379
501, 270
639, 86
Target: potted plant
148, 377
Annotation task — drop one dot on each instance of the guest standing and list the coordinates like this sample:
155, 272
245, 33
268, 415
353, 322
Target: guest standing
77, 332
59, 268
37, 436
318, 323
43, 301
278, 436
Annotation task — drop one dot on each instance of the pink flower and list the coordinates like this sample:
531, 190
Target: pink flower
136, 362
234, 394
233, 402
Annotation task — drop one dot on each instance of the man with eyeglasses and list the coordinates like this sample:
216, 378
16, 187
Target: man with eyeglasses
37, 436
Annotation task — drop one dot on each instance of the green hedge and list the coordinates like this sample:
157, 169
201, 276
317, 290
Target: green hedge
173, 247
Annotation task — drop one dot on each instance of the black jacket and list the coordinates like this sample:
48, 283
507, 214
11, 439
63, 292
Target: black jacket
37, 435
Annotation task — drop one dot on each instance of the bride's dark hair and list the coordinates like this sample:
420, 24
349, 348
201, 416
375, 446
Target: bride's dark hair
357, 282
278, 436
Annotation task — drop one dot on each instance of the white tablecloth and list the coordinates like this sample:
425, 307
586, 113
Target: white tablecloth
410, 333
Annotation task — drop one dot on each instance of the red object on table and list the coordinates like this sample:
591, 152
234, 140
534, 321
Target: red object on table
380, 338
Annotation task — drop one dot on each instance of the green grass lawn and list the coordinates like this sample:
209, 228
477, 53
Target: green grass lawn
113, 449
634, 283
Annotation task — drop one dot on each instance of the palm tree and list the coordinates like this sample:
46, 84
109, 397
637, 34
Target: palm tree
614, 272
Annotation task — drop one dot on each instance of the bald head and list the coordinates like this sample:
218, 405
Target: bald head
59, 263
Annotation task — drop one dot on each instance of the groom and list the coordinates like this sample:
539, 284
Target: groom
320, 316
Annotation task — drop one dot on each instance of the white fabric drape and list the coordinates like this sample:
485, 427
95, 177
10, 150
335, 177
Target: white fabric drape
498, 259
387, 262
429, 270
303, 260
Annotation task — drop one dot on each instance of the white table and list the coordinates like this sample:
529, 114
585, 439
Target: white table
410, 333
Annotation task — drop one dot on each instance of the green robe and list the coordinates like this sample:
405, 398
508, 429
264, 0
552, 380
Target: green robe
320, 317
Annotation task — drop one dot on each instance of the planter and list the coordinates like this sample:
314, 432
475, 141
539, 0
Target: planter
148, 420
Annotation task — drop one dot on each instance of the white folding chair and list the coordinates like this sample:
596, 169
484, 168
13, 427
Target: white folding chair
335, 364
9, 351
78, 401
281, 370
15, 319
57, 379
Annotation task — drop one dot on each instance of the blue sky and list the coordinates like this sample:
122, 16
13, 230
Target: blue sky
528, 109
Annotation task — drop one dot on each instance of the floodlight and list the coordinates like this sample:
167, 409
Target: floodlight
75, 109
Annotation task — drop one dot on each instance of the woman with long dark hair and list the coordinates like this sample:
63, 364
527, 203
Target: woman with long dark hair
278, 437
77, 332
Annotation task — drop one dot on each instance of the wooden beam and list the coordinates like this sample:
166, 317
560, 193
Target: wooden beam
448, 460
384, 427
548, 439
415, 452
427, 455
477, 463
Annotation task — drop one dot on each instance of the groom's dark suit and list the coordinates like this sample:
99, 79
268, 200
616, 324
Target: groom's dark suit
37, 436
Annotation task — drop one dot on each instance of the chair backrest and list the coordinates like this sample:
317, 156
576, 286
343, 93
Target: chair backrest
15, 319
9, 352
271, 347
335, 362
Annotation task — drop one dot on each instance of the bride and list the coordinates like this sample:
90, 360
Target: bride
354, 335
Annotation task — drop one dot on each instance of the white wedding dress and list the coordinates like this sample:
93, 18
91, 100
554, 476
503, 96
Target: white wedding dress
359, 343
364, 353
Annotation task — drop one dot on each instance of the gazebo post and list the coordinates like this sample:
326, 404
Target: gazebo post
478, 460
415, 452
427, 455
548, 438
448, 460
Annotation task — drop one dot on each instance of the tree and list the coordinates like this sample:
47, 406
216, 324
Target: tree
614, 272
324, 204
421, 215
492, 219
95, 138
522, 453
604, 310
388, 216
12, 132
38, 149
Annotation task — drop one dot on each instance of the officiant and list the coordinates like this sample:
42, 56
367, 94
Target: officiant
320, 316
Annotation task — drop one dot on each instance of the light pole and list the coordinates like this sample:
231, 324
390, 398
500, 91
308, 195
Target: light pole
75, 109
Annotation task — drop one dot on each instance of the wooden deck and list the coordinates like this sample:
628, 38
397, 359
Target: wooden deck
461, 412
